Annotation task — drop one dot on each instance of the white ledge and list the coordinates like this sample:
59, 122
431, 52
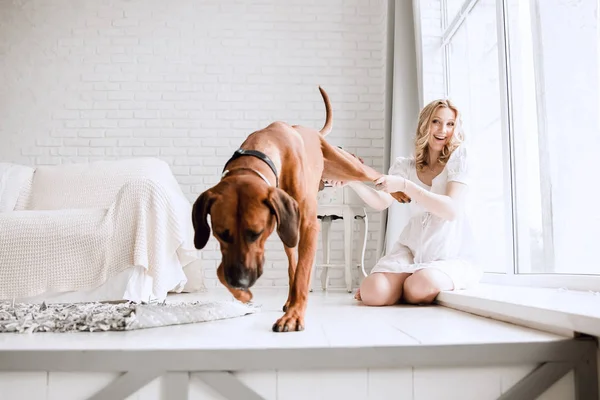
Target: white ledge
559, 311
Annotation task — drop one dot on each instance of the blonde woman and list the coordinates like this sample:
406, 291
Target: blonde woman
435, 251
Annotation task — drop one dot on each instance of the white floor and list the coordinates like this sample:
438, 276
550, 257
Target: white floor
332, 319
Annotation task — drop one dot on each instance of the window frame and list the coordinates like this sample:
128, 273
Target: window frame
511, 275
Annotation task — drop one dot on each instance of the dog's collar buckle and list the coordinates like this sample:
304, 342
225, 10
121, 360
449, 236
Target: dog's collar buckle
258, 154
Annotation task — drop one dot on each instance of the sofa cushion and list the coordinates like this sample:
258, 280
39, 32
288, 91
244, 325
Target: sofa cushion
15, 181
94, 184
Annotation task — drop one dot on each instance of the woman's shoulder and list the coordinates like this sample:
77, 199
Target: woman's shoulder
458, 166
402, 165
405, 160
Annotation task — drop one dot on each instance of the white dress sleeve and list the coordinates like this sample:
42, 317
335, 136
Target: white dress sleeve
458, 166
400, 167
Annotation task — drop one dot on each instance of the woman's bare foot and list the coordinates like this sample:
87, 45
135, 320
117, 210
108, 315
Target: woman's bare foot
357, 295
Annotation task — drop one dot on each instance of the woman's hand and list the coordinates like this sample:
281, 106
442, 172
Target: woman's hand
390, 183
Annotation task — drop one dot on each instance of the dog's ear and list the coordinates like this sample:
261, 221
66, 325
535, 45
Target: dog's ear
200, 210
287, 214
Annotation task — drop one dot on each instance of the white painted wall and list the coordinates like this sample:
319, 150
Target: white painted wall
483, 383
187, 81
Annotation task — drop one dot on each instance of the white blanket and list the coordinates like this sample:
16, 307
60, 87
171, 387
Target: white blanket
13, 178
147, 224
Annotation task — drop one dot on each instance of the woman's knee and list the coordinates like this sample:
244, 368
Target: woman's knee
423, 286
379, 290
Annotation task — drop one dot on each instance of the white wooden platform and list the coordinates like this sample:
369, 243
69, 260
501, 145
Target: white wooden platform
347, 351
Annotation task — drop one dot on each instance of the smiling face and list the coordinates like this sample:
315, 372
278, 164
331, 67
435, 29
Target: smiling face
439, 133
441, 128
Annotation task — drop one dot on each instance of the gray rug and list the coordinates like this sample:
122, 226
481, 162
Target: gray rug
94, 317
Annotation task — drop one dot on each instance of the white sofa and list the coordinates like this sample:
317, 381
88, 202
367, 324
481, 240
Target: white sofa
100, 231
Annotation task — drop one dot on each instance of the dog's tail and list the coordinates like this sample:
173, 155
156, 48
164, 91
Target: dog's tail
328, 121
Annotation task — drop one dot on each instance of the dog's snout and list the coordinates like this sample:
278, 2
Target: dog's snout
244, 281
240, 277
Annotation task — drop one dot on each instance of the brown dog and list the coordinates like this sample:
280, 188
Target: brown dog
274, 179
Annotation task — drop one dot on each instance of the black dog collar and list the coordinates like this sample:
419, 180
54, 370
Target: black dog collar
258, 154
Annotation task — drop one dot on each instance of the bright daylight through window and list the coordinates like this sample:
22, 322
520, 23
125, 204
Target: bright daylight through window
525, 73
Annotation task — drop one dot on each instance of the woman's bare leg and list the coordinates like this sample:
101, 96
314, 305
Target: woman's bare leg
381, 289
424, 285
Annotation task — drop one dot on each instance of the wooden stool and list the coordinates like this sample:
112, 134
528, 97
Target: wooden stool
335, 204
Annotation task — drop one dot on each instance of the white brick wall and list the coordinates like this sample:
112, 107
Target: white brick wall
187, 81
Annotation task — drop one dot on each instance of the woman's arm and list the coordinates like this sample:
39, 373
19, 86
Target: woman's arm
446, 206
374, 198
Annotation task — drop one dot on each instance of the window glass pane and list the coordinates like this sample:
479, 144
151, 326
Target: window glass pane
474, 86
555, 94
452, 9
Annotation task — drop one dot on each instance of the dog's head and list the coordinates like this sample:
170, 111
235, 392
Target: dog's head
243, 214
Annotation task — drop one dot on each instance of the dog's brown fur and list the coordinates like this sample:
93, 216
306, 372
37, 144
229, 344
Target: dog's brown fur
244, 209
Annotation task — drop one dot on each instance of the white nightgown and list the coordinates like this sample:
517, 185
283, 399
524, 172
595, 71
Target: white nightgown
429, 241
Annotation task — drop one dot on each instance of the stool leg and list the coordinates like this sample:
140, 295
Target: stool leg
348, 231
325, 228
364, 242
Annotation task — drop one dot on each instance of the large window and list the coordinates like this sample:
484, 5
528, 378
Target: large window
472, 64
526, 74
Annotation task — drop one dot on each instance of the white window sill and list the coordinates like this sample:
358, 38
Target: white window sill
559, 311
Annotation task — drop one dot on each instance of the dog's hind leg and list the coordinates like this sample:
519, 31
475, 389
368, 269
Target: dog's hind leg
339, 165
343, 166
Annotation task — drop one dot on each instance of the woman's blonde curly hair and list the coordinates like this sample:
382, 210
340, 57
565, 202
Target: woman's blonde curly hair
423, 133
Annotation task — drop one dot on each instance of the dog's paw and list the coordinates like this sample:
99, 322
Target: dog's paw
290, 322
401, 197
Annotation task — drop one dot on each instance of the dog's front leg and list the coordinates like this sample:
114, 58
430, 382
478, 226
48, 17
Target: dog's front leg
292, 262
293, 319
242, 295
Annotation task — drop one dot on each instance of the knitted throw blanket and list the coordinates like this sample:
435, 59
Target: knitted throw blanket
93, 317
